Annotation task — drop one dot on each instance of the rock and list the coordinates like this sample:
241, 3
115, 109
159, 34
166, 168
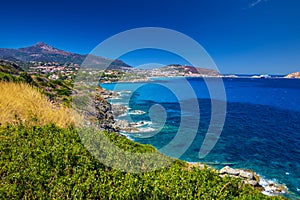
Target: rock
118, 110
123, 124
104, 114
137, 112
256, 177
246, 175
272, 188
251, 178
230, 171
107, 113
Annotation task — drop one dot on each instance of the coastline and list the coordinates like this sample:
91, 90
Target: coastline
152, 78
249, 177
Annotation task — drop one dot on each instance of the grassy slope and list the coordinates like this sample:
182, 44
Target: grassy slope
50, 162
21, 103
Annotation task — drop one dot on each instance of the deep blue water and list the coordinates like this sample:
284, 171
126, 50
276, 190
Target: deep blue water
261, 130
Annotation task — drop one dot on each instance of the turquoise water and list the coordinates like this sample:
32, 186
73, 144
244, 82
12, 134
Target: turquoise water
261, 130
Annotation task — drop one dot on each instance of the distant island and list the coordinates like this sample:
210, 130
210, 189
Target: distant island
293, 75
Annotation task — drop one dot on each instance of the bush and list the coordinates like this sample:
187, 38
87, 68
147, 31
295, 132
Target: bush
7, 77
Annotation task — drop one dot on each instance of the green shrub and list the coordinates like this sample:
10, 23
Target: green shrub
49, 162
7, 77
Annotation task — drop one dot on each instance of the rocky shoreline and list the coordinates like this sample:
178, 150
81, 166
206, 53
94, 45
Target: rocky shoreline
253, 179
248, 177
108, 113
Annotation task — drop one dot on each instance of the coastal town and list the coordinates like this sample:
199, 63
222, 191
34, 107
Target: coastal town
53, 70
69, 71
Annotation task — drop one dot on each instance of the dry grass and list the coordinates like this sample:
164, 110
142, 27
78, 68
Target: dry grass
21, 103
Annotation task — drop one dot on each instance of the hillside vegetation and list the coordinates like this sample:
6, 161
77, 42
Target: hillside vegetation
21, 103
55, 90
51, 163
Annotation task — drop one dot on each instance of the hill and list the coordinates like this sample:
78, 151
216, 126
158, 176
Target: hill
41, 52
189, 70
293, 75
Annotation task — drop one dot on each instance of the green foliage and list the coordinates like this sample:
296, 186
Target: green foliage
67, 101
23, 77
9, 67
7, 77
27, 78
55, 89
52, 163
63, 92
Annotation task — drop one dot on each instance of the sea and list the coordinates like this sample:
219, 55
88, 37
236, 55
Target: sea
261, 129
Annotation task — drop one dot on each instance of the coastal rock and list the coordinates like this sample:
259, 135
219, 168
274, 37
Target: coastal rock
118, 110
104, 113
137, 112
251, 178
107, 113
230, 171
271, 188
126, 126
123, 124
138, 124
106, 94
246, 175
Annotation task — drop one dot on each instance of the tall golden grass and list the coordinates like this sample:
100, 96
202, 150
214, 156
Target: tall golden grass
22, 103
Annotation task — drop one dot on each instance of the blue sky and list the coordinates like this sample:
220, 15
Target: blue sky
242, 36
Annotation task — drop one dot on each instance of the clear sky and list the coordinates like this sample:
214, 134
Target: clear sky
242, 36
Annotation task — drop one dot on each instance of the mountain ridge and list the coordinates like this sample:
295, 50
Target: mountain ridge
42, 52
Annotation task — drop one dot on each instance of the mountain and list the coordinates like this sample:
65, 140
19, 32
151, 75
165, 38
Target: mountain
46, 53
